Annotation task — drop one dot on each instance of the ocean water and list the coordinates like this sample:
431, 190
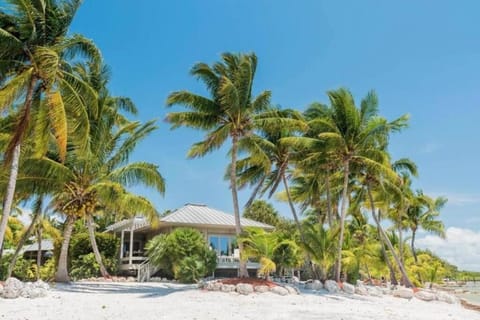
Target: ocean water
473, 294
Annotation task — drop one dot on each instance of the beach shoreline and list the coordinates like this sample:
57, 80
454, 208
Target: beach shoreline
80, 301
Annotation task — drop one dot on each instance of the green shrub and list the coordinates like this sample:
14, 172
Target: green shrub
190, 269
24, 268
80, 248
183, 254
108, 245
84, 266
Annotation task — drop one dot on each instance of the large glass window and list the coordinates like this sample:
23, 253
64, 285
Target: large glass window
223, 245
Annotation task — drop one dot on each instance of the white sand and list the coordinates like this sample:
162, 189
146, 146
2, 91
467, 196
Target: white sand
94, 301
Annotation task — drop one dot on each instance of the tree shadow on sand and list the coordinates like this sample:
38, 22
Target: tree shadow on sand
145, 290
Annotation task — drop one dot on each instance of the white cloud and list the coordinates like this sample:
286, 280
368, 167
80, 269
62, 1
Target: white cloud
461, 247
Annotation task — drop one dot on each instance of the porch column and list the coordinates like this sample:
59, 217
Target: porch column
122, 239
130, 256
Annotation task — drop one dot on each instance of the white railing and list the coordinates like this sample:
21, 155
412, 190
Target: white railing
145, 270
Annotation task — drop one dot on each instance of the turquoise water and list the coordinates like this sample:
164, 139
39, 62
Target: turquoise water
474, 292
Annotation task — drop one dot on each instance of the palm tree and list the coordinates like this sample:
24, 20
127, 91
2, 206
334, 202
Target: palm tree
35, 48
268, 160
423, 213
95, 181
230, 112
352, 135
320, 246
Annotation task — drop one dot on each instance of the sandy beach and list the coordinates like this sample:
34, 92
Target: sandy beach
174, 301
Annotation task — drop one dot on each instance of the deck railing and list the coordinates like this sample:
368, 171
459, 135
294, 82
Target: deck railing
145, 270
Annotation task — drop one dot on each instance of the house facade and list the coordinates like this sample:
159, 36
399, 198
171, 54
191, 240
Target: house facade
217, 227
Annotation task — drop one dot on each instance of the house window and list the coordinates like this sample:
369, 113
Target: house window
223, 245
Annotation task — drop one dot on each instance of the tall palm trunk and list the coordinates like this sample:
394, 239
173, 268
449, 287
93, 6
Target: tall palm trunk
338, 265
39, 252
299, 225
393, 278
412, 244
408, 283
242, 272
329, 200
93, 242
62, 270
400, 247
292, 208
12, 180
21, 243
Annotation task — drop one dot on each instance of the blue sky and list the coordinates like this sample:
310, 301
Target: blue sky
422, 58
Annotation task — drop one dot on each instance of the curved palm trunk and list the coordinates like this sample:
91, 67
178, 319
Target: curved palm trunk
93, 242
338, 265
62, 271
39, 252
412, 244
329, 201
400, 247
21, 243
242, 271
408, 283
7, 204
292, 208
393, 278
12, 180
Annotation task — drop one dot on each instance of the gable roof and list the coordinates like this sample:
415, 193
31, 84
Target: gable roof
199, 214
189, 215
47, 245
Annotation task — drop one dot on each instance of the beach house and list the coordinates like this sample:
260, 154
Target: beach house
217, 227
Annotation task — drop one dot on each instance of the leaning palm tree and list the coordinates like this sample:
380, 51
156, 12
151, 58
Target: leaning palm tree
230, 112
268, 160
423, 213
95, 181
352, 135
35, 49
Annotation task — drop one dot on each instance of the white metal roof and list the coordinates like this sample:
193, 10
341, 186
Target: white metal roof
138, 223
197, 214
47, 245
190, 214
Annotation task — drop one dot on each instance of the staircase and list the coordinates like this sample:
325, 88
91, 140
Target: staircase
145, 270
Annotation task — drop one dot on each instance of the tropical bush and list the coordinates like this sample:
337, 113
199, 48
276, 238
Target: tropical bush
183, 254
82, 259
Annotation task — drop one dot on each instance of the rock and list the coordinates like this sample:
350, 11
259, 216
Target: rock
130, 279
244, 288
292, 290
214, 286
361, 290
332, 286
374, 291
295, 280
262, 289
348, 288
279, 290
227, 288
360, 283
25, 292
386, 291
309, 285
12, 289
1, 289
317, 285
405, 293
42, 285
425, 295
445, 297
